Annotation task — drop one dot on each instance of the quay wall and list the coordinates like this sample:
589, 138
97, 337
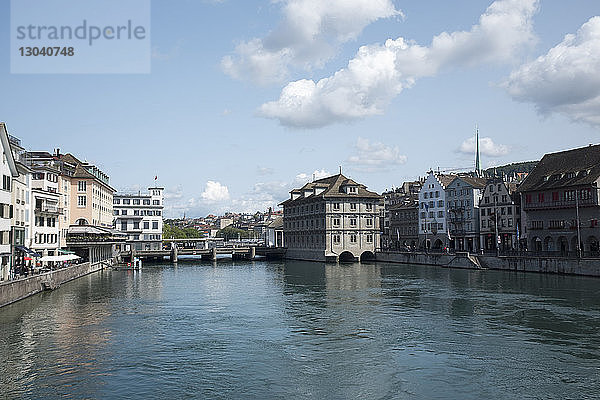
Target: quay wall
16, 290
551, 265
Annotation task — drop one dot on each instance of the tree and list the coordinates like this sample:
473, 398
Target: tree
170, 231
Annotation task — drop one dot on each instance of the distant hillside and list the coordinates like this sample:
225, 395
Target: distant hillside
520, 167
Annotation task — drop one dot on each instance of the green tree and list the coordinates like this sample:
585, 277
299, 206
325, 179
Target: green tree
171, 231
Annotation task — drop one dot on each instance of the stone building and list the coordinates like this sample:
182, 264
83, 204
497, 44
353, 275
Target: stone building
560, 202
404, 225
500, 216
394, 199
462, 199
332, 219
140, 216
91, 194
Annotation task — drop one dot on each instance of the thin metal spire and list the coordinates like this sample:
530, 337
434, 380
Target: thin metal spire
477, 158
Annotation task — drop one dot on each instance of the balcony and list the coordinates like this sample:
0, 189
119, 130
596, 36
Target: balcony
49, 210
560, 204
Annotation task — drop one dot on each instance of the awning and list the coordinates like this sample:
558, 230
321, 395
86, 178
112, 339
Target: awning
66, 251
28, 251
65, 257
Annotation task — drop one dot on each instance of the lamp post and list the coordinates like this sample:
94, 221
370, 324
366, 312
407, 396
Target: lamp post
497, 238
578, 224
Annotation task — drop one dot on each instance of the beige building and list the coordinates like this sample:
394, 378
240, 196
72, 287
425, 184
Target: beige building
332, 219
91, 196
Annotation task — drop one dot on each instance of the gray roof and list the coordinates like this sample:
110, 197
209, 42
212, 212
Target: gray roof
333, 188
575, 167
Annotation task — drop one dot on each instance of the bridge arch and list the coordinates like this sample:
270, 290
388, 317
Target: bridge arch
347, 256
82, 221
367, 256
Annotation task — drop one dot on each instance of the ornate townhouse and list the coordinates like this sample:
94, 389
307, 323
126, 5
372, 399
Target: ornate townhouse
404, 225
332, 219
140, 216
500, 216
393, 200
462, 199
560, 202
91, 196
433, 229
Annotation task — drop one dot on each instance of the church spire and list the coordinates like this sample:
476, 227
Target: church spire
477, 159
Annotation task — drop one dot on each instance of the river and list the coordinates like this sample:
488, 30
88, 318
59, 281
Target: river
294, 329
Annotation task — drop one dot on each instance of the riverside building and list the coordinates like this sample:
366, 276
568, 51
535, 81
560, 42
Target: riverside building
332, 219
8, 170
433, 229
560, 203
140, 216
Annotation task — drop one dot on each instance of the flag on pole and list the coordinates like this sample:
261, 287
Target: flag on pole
155, 177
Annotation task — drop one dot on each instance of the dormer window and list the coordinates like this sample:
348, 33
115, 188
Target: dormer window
351, 189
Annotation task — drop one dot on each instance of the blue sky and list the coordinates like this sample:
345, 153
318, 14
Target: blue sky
247, 99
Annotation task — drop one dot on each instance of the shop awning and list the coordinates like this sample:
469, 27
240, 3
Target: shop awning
65, 257
28, 251
66, 251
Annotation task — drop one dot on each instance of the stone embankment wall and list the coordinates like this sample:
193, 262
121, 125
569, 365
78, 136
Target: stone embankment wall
552, 265
12, 291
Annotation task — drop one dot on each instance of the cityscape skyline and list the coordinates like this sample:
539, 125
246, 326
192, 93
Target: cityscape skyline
216, 123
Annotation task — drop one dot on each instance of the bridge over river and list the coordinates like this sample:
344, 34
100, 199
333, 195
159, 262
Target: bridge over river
206, 249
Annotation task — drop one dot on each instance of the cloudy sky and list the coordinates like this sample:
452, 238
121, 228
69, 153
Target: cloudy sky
247, 99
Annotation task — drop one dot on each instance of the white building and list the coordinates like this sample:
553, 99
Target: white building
432, 211
22, 209
45, 200
462, 198
140, 216
8, 170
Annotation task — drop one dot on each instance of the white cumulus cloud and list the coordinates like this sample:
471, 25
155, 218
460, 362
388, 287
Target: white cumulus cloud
378, 73
303, 177
566, 79
487, 147
215, 192
373, 156
307, 37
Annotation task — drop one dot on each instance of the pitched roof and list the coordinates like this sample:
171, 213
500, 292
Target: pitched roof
80, 171
566, 168
474, 181
7, 152
333, 186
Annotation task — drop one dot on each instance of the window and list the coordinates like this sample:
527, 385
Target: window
352, 189
353, 222
486, 200
369, 238
81, 186
437, 194
369, 222
136, 202
146, 202
146, 225
136, 224
440, 214
504, 198
116, 201
336, 239
369, 206
336, 222
126, 201
352, 206
6, 182
116, 212
81, 201
440, 203
425, 195
124, 212
352, 238
540, 197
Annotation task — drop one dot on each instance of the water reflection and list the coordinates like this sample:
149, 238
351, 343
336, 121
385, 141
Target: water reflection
305, 330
